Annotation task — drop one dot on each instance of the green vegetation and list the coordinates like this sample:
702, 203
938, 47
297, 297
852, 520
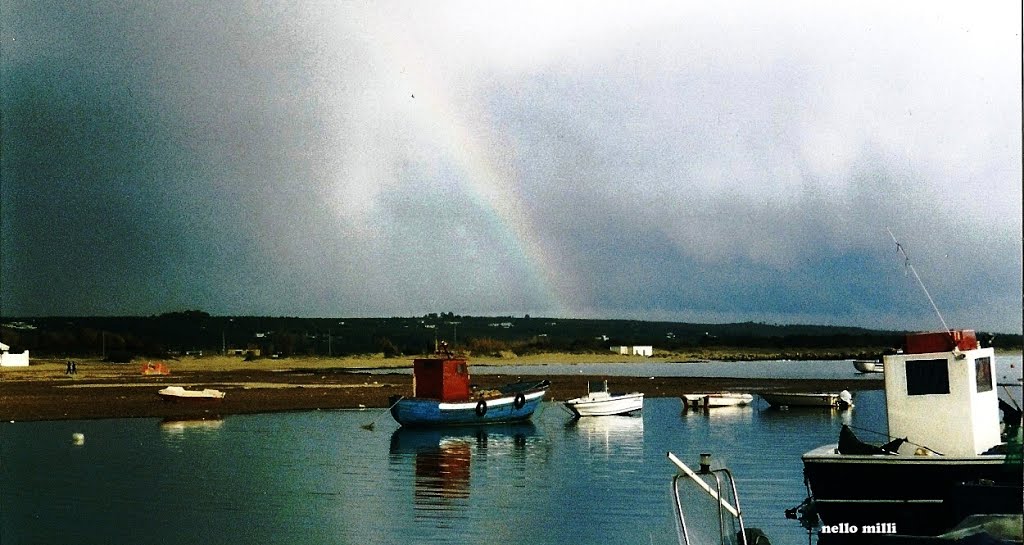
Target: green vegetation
180, 333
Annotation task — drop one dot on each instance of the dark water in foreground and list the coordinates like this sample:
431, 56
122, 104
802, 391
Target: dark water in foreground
318, 477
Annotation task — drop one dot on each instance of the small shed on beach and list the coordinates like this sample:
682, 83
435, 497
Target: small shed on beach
12, 360
638, 350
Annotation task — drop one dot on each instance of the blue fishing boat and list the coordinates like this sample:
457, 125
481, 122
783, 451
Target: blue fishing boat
442, 396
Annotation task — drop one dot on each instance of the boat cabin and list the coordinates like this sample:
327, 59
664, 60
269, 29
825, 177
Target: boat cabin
443, 378
940, 393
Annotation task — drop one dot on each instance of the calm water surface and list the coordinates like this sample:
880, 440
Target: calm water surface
318, 477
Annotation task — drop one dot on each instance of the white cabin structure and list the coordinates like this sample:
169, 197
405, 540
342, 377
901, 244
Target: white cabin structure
12, 360
646, 351
938, 372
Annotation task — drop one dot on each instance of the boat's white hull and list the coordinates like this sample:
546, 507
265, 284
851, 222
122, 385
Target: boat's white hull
868, 366
719, 399
608, 405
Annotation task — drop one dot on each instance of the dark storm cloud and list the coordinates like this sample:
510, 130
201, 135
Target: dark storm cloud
666, 161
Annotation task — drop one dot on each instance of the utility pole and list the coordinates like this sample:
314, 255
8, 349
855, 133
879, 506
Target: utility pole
455, 333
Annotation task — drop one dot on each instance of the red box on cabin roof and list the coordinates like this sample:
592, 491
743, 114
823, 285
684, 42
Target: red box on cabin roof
942, 341
440, 378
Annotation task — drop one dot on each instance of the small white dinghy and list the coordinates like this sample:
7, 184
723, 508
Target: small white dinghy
717, 399
178, 393
600, 402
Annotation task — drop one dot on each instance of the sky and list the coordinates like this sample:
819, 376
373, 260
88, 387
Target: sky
674, 161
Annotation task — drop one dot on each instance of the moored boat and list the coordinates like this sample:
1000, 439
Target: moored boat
442, 396
868, 366
841, 400
717, 399
180, 394
941, 402
599, 401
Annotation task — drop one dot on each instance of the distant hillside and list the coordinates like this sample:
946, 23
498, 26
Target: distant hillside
196, 331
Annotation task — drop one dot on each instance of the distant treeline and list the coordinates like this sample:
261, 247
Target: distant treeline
195, 331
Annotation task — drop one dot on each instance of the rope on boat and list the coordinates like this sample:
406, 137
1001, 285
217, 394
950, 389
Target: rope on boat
889, 437
386, 411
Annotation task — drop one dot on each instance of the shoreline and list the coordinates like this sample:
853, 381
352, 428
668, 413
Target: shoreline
102, 390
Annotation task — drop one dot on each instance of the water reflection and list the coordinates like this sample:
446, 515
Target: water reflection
176, 431
610, 434
722, 419
443, 458
820, 414
178, 426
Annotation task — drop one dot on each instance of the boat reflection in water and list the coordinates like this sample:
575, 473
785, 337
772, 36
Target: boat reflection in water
611, 434
443, 459
721, 416
180, 426
176, 431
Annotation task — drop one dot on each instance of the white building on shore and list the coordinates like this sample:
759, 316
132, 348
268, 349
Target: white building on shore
12, 360
645, 351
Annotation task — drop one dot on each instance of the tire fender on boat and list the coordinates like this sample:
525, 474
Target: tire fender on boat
520, 401
481, 408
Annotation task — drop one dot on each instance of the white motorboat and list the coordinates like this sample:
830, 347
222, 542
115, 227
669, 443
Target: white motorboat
841, 400
869, 366
717, 399
600, 402
178, 393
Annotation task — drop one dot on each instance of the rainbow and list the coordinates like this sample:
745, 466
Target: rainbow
475, 152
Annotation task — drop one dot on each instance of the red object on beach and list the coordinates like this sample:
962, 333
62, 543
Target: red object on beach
158, 368
942, 341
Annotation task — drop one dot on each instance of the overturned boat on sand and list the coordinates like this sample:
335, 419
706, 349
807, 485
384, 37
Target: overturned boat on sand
180, 394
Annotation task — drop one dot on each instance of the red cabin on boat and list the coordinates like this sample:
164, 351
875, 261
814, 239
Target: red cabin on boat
442, 378
944, 341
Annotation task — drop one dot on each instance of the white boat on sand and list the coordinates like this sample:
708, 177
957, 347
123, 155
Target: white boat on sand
600, 402
717, 399
179, 393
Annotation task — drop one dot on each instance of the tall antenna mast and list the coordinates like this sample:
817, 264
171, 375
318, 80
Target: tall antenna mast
909, 265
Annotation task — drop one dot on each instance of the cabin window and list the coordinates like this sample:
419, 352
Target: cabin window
983, 374
460, 369
927, 377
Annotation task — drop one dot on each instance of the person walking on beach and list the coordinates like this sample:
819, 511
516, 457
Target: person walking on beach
74, 367
68, 370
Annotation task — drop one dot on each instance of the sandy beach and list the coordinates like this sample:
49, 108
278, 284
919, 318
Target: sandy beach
44, 391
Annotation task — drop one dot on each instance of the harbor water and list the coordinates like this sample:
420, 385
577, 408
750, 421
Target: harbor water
318, 477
